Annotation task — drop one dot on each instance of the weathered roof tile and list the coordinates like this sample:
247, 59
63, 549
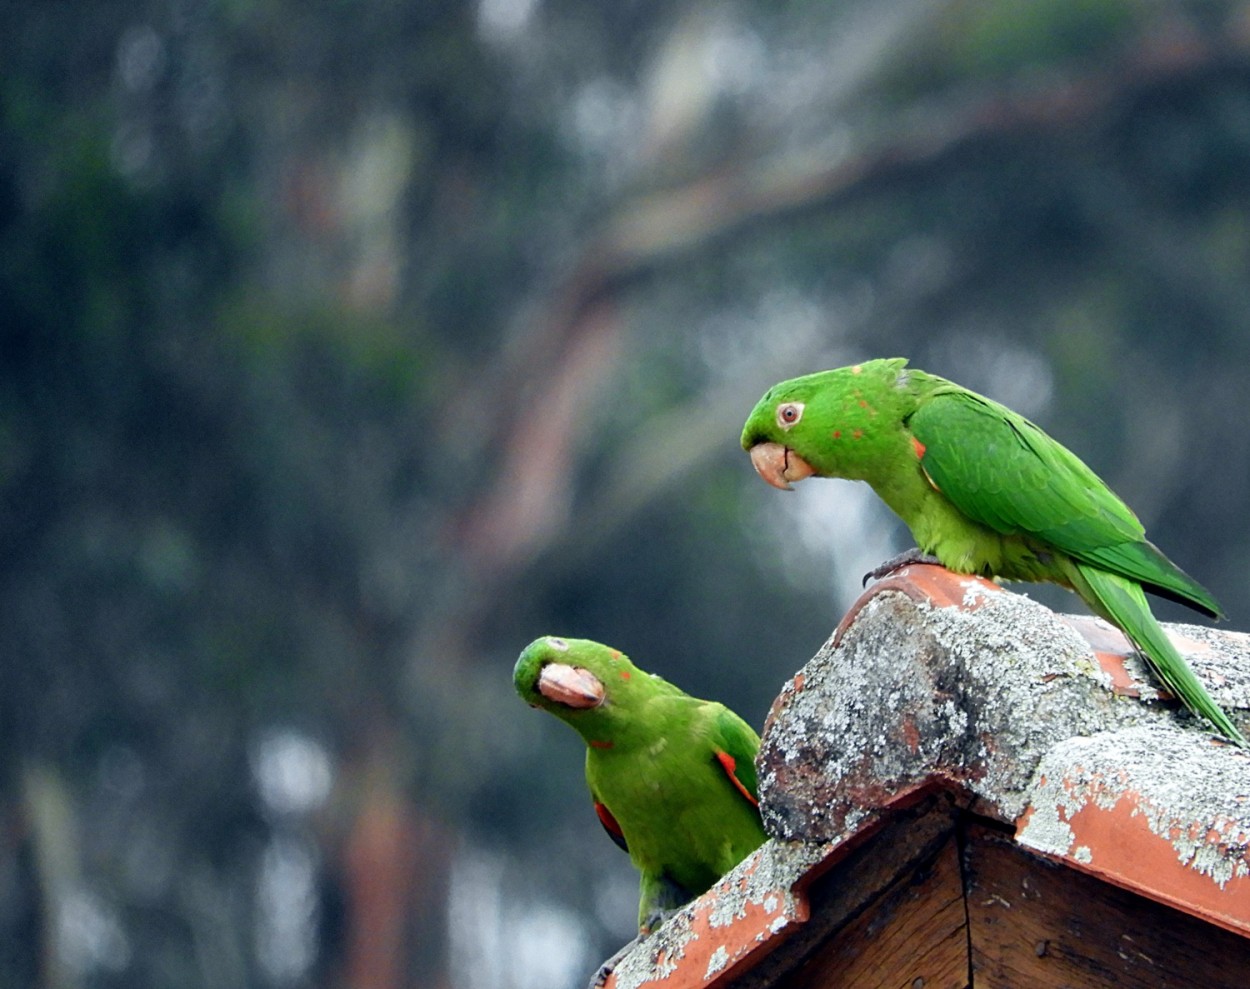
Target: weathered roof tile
1048, 723
1148, 809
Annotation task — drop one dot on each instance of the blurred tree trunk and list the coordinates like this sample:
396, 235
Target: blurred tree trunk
53, 832
394, 862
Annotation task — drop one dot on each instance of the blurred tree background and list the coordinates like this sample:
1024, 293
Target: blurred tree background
347, 347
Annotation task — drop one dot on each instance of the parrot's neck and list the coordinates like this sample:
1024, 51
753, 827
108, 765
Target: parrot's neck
907, 491
609, 728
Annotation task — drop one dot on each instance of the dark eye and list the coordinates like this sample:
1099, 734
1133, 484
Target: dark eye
789, 413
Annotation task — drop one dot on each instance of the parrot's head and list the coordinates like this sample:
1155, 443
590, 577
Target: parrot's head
815, 425
550, 673
574, 678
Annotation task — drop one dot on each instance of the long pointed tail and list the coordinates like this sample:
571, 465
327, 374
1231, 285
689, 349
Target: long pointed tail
1123, 603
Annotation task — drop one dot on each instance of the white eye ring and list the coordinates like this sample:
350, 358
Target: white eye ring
557, 643
789, 413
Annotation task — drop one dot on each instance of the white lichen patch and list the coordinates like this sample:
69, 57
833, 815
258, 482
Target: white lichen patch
1091, 668
1047, 829
718, 961
654, 960
1183, 785
975, 594
1143, 679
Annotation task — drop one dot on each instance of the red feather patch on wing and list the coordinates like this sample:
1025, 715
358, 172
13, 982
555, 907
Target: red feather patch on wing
920, 449
610, 826
729, 764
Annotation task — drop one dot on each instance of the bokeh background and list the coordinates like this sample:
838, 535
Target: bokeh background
346, 347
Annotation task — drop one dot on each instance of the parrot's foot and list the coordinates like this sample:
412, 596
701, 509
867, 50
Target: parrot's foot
661, 898
609, 966
909, 556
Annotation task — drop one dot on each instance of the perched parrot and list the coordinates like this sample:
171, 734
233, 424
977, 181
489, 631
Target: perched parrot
672, 777
984, 491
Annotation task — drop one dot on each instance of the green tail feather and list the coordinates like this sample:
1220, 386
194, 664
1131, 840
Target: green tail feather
1123, 603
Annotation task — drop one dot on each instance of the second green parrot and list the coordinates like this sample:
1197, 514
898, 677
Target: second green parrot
983, 491
672, 777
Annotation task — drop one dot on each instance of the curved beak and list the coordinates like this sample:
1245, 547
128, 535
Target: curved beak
570, 685
779, 465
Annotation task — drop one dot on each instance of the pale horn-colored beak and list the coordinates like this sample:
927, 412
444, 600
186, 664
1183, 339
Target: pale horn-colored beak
779, 465
570, 685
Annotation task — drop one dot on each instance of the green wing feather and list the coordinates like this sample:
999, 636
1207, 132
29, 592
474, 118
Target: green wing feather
1002, 471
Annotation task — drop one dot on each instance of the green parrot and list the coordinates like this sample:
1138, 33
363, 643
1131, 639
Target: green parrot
672, 777
984, 491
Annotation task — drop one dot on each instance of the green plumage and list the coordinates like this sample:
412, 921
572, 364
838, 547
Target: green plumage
985, 491
675, 774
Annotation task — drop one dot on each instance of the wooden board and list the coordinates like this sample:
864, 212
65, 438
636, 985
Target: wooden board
853, 881
1037, 924
914, 934
943, 900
